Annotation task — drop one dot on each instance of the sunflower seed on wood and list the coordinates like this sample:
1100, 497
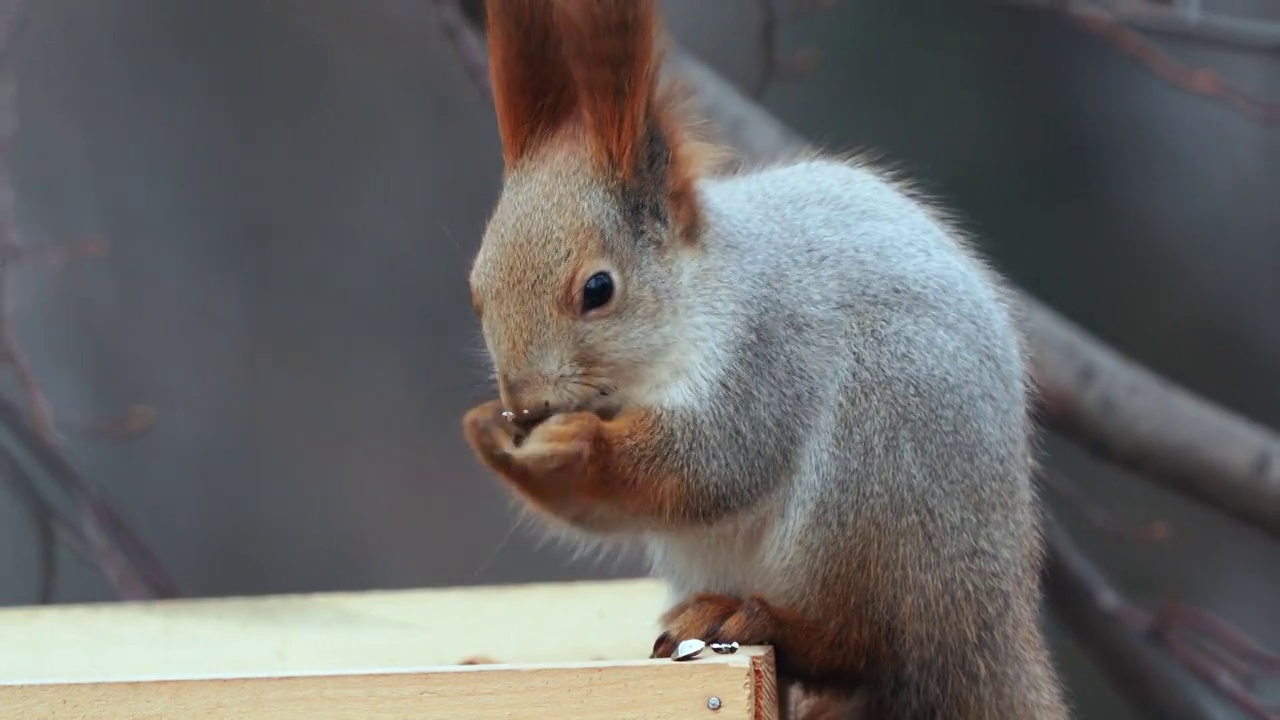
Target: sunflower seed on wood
688, 649
724, 648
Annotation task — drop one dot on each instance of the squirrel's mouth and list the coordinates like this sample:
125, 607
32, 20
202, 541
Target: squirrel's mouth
525, 425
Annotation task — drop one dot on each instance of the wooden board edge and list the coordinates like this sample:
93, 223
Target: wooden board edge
764, 684
743, 685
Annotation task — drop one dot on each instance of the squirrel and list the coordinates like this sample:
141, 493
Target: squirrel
797, 386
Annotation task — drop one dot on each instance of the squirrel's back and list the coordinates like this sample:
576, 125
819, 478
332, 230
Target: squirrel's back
827, 235
878, 366
829, 279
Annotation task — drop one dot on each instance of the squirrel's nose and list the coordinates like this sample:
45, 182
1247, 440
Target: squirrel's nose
530, 402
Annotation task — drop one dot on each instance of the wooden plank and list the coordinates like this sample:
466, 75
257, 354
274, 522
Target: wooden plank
331, 632
378, 655
742, 685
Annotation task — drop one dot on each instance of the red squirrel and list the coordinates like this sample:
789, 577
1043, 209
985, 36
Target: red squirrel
797, 386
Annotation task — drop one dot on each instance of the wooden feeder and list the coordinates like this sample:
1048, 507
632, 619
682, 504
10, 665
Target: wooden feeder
570, 651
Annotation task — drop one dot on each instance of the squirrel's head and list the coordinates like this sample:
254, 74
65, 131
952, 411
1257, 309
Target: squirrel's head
577, 277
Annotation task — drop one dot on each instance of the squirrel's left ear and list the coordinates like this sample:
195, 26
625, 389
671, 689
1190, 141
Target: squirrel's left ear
534, 93
633, 126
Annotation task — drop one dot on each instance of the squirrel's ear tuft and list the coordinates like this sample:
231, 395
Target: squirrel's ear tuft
534, 92
635, 129
611, 50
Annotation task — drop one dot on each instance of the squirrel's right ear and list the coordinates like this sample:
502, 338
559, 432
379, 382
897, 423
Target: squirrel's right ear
533, 88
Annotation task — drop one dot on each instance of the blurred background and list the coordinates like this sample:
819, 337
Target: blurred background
261, 344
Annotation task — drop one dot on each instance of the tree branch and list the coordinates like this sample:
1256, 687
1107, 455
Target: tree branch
1195, 81
30, 457
1253, 34
99, 535
1124, 639
768, 39
1116, 27
1096, 615
1142, 422
43, 519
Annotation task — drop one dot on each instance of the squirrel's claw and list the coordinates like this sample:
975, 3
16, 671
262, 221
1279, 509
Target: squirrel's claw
716, 618
805, 650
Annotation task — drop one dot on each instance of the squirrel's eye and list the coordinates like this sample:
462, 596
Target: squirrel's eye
597, 292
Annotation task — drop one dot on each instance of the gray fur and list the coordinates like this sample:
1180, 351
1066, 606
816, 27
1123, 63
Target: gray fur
842, 385
873, 391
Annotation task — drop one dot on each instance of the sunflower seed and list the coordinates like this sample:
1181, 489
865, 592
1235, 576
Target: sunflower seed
688, 649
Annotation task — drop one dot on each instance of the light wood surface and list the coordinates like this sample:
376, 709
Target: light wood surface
741, 685
567, 650
332, 632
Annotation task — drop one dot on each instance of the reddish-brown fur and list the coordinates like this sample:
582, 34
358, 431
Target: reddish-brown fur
589, 72
578, 463
805, 647
533, 91
692, 157
610, 49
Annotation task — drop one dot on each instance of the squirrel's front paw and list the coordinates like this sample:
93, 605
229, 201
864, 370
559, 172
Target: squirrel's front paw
491, 435
815, 652
552, 466
716, 618
562, 445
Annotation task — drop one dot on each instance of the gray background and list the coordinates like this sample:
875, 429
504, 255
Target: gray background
293, 190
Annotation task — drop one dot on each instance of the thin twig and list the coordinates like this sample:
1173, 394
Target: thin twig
1100, 517
1240, 33
13, 15
46, 555
59, 256
1121, 637
131, 566
41, 411
42, 520
1196, 81
29, 442
467, 45
1113, 29
1258, 660
1100, 619
768, 38
11, 249
136, 420
1219, 676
